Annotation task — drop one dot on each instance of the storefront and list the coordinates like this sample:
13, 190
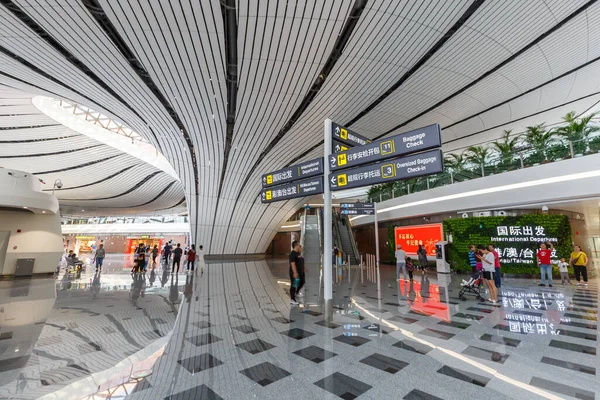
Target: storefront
133, 242
85, 244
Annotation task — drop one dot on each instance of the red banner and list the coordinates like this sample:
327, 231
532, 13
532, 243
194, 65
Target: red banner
410, 237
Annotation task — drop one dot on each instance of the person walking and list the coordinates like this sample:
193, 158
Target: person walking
154, 255
472, 259
191, 258
422, 254
543, 256
177, 257
299, 292
579, 260
147, 255
200, 256
100, 254
497, 281
488, 274
400, 262
296, 269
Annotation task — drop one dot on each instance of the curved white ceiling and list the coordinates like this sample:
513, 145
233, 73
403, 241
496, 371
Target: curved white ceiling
228, 90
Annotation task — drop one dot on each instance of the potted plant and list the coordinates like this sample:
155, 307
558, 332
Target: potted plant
478, 155
539, 138
506, 148
577, 130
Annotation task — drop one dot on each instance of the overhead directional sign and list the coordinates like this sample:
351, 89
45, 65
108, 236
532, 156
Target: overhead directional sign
305, 187
346, 136
426, 163
357, 205
358, 211
337, 147
428, 137
295, 172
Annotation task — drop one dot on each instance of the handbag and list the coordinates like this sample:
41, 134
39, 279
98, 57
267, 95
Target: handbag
575, 261
296, 283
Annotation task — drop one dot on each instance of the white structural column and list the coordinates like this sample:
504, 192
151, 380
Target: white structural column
377, 251
327, 220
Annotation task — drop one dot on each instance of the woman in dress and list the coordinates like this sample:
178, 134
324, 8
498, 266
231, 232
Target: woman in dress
422, 254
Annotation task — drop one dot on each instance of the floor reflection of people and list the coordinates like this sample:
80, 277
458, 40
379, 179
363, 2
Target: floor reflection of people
412, 295
152, 277
187, 291
424, 288
174, 289
136, 287
165, 278
95, 289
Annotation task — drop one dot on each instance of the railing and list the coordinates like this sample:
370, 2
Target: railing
126, 220
303, 229
524, 158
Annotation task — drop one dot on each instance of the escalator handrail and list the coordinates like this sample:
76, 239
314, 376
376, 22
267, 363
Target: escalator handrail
351, 237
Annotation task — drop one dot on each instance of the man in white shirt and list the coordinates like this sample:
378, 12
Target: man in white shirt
488, 273
400, 262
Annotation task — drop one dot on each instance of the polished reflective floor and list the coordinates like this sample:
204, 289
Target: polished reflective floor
230, 333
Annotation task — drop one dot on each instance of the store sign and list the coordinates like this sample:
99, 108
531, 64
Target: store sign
86, 237
295, 172
306, 187
427, 163
426, 138
508, 236
346, 136
410, 237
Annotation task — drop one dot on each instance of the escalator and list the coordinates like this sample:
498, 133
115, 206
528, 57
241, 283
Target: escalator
346, 239
312, 247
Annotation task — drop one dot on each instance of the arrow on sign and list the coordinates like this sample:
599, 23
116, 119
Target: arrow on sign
337, 147
337, 129
333, 180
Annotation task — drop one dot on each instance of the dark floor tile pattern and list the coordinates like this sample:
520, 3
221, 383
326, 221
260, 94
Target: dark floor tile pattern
328, 324
469, 316
464, 376
200, 363
581, 325
485, 354
384, 363
355, 341
562, 389
579, 316
500, 340
436, 334
569, 365
245, 329
282, 320
205, 338
573, 347
255, 346
202, 324
479, 309
199, 392
343, 386
417, 394
297, 333
454, 324
265, 373
411, 345
315, 354
313, 313
404, 320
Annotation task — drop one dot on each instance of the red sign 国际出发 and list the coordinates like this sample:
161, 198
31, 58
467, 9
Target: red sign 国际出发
410, 237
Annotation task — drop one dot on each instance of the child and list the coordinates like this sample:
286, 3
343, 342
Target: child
564, 271
410, 267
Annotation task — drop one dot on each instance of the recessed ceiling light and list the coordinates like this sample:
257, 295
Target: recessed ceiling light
25, 207
43, 212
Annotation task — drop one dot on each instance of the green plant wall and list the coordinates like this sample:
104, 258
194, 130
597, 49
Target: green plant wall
467, 231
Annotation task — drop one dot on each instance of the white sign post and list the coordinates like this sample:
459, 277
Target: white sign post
377, 253
327, 219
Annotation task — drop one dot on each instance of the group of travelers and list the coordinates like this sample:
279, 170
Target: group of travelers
578, 259
173, 255
405, 263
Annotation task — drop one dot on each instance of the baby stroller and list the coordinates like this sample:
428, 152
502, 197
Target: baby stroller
471, 286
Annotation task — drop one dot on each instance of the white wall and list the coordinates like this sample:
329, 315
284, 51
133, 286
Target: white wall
40, 238
150, 228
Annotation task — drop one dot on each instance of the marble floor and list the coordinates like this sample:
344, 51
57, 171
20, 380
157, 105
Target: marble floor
230, 333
